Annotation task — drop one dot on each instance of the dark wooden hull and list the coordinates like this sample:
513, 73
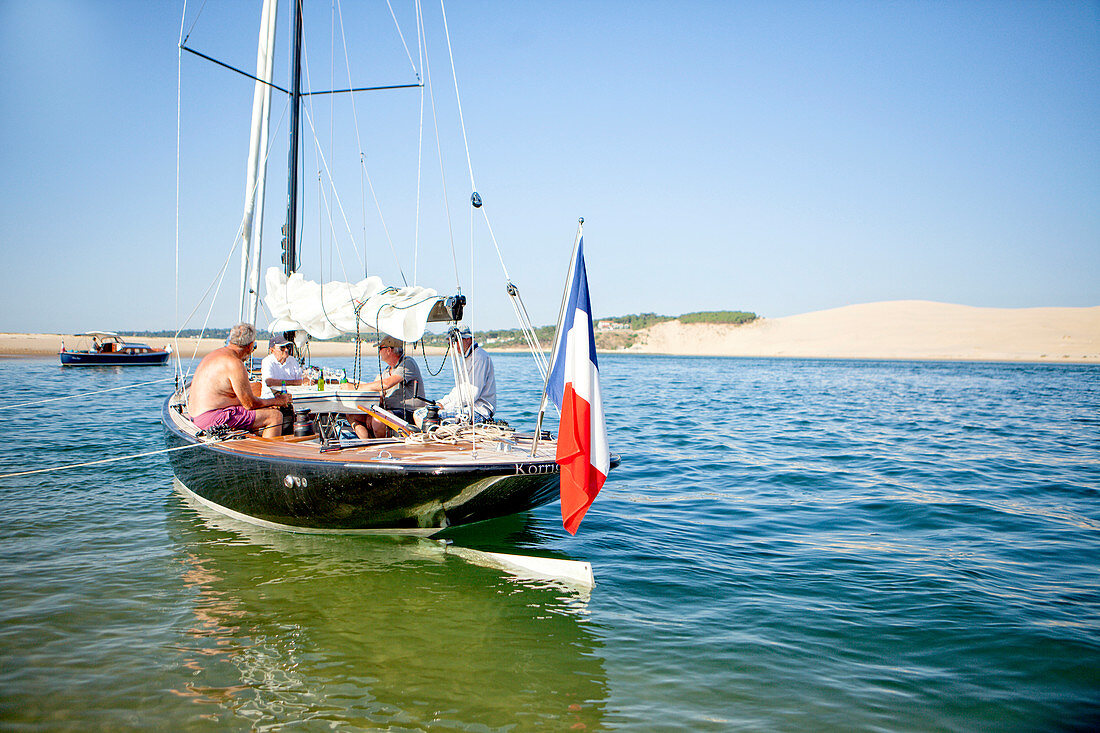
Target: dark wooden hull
91, 358
259, 480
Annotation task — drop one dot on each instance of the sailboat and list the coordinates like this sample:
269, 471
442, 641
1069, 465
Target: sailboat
321, 478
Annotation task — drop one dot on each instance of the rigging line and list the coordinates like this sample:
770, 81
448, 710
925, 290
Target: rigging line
332, 127
385, 227
465, 142
458, 99
340, 205
183, 38
473, 283
219, 278
465, 391
424, 353
402, 37
100, 462
419, 145
528, 331
229, 255
358, 138
179, 87
260, 225
355, 124
364, 174
363, 207
335, 193
318, 149
328, 172
351, 297
493, 237
439, 152
86, 394
332, 233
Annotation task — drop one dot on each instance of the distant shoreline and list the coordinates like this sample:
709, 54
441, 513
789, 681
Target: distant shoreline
893, 330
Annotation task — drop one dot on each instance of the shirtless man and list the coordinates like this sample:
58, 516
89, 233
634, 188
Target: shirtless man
220, 393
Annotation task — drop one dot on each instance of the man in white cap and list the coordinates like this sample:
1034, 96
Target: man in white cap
279, 368
482, 390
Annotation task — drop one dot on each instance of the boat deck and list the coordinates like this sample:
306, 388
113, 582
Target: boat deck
494, 449
516, 450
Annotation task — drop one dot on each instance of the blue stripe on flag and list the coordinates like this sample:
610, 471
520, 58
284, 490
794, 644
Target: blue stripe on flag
578, 300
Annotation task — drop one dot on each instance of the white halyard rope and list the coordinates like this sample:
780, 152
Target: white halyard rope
419, 142
465, 142
402, 36
458, 99
439, 153
85, 394
97, 463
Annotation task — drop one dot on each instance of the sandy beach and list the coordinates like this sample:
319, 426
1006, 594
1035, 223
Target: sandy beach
907, 329
42, 344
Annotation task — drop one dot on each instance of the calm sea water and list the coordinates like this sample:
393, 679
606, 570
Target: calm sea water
789, 545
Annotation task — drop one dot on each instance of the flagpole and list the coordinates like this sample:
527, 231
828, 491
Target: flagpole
557, 334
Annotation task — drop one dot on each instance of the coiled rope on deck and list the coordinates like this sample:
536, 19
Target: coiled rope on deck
461, 432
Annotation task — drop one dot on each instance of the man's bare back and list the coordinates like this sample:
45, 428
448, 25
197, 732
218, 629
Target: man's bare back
221, 381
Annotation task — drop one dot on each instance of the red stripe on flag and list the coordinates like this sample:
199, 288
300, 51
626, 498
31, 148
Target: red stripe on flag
580, 481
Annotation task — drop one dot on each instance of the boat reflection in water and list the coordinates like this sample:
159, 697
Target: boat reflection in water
375, 631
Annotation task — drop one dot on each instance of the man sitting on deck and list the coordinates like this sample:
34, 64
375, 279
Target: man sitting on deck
279, 368
221, 395
401, 385
481, 391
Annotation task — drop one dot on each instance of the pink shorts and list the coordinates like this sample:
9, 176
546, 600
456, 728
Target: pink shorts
233, 416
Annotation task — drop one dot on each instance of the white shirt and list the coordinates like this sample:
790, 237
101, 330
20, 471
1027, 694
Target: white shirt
483, 385
270, 368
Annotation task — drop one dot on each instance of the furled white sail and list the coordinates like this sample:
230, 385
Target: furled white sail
252, 223
326, 311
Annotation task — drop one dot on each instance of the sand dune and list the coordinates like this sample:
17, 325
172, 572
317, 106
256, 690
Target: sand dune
904, 329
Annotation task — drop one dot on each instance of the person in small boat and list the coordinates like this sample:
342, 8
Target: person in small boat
402, 387
221, 395
482, 390
279, 368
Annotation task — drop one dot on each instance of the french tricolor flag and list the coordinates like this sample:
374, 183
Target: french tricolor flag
574, 386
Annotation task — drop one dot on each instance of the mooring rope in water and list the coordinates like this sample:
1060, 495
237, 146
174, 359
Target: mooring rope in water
85, 394
96, 463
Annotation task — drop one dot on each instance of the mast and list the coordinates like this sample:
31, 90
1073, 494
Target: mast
290, 234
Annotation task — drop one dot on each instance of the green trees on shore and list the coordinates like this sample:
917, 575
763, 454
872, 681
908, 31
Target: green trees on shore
735, 318
616, 332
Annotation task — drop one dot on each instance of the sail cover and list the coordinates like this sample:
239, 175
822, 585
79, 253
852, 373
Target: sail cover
326, 311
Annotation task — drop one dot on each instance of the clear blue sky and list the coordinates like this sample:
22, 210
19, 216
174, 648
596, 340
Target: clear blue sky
779, 157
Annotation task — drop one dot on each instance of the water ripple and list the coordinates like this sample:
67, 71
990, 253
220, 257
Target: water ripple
788, 545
